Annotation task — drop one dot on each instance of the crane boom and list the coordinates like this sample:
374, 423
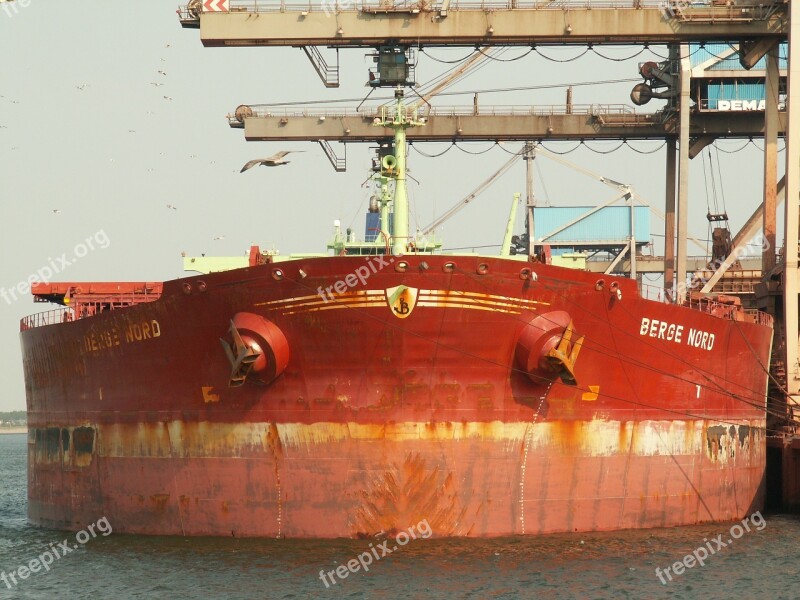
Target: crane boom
452, 78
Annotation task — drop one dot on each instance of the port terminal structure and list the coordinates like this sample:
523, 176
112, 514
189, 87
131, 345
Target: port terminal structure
755, 31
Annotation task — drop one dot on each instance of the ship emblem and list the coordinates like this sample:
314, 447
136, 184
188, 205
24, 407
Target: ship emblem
402, 300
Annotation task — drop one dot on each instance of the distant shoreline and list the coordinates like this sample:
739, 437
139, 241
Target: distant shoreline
9, 430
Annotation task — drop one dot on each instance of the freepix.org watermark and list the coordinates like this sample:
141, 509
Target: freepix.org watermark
711, 547
333, 6
739, 253
360, 275
99, 240
54, 552
700, 277
674, 8
11, 7
365, 559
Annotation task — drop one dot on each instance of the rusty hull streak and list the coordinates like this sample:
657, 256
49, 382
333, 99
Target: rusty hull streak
409, 493
442, 472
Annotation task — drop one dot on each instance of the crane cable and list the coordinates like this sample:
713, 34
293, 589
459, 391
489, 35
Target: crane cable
474, 194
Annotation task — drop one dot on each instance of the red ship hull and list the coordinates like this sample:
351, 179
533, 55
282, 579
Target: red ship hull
420, 390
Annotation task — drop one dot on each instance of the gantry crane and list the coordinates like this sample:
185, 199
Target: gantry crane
754, 28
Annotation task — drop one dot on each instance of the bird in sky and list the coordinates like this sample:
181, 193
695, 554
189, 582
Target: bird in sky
156, 84
167, 98
56, 211
172, 206
220, 237
162, 73
273, 161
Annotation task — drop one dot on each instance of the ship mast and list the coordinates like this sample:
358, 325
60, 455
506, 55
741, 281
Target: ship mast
399, 120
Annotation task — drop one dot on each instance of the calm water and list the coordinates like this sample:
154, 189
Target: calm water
620, 565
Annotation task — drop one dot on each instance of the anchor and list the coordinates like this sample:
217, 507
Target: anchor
561, 359
242, 356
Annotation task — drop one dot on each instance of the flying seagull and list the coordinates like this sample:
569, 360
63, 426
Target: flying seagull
273, 161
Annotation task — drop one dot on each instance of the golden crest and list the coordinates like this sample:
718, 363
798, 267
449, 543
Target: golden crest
402, 300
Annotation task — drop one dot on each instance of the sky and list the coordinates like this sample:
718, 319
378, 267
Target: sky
91, 149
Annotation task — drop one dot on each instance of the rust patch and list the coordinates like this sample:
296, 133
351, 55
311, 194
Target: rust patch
745, 433
47, 445
406, 494
714, 439
276, 449
160, 501
566, 434
482, 394
52, 443
385, 401
723, 442
417, 393
688, 437
485, 404
84, 439
565, 403
625, 437
446, 394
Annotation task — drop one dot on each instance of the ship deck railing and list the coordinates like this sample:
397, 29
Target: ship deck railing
727, 311
655, 293
84, 307
708, 305
760, 317
49, 317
